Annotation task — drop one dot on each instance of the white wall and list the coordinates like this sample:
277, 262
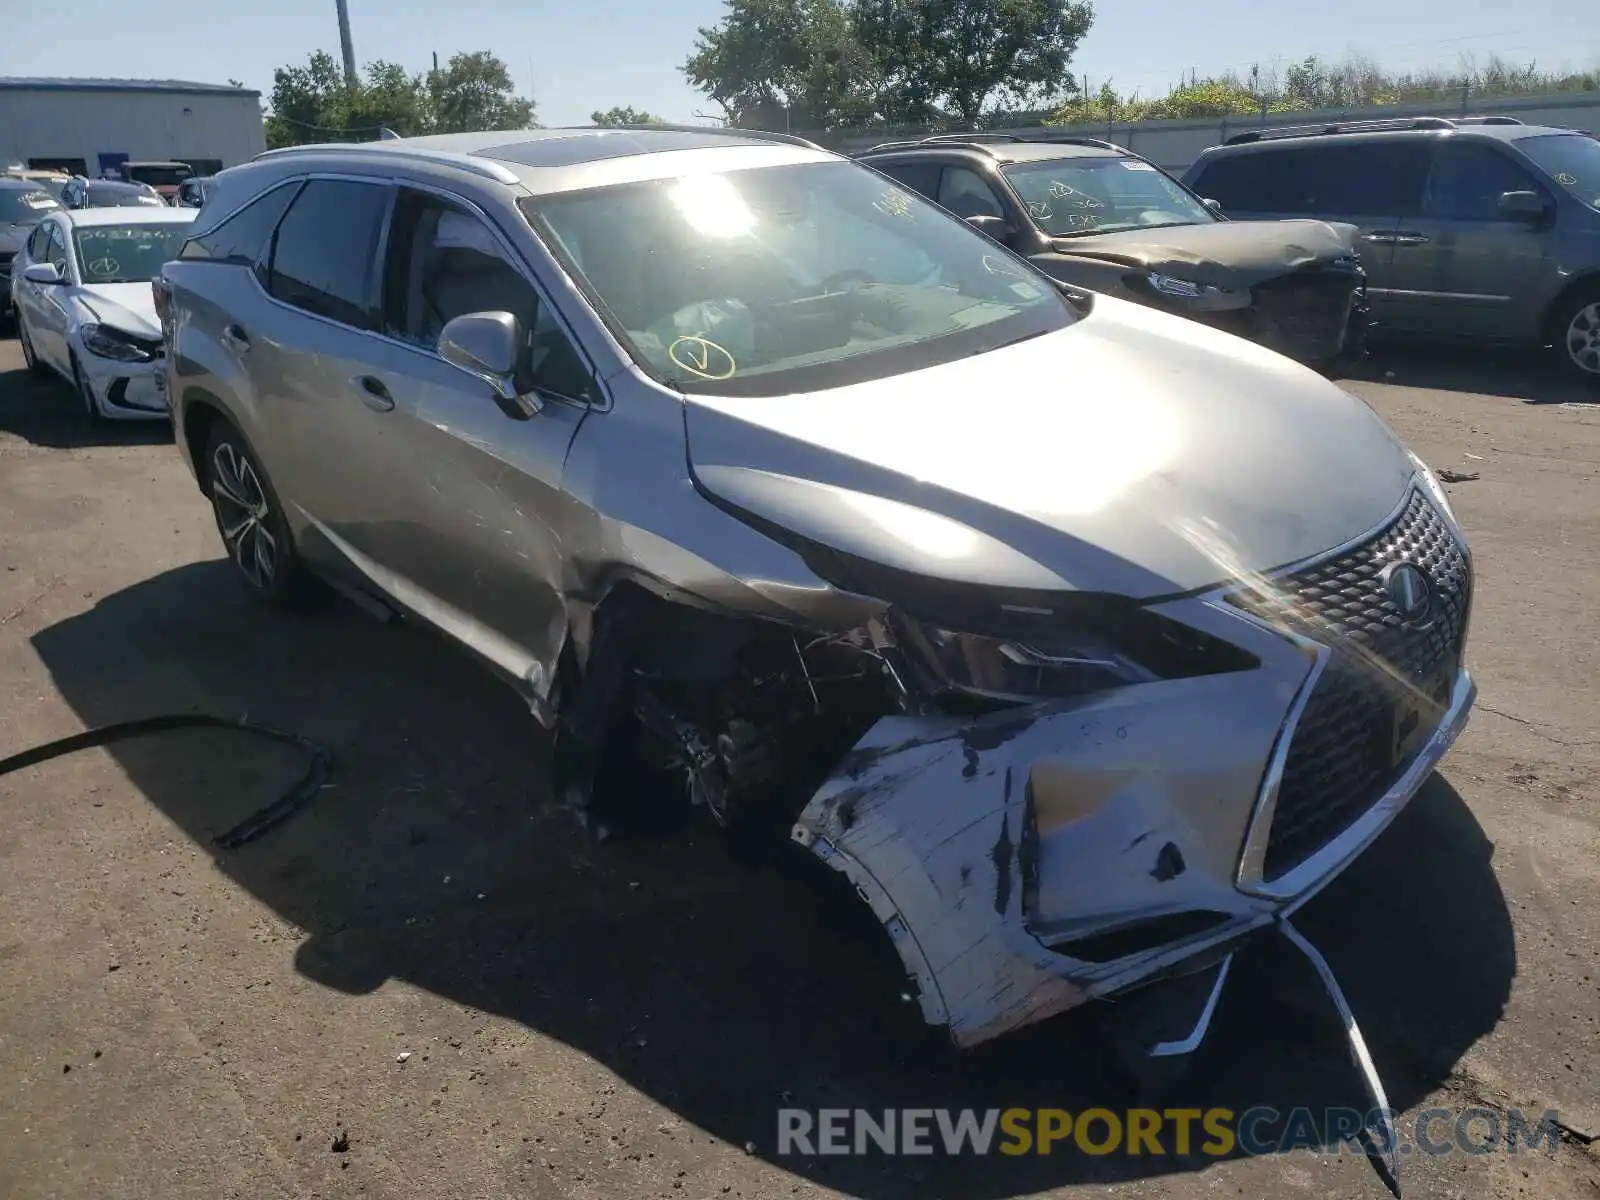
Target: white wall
143, 125
1176, 144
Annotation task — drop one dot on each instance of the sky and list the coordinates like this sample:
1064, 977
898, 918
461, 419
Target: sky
576, 57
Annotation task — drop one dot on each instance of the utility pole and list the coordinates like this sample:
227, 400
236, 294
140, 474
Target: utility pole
345, 45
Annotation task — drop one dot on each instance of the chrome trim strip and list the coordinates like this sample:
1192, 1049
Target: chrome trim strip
1189, 1044
1406, 294
1304, 881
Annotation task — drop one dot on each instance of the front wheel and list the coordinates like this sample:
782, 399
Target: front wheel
1576, 330
251, 522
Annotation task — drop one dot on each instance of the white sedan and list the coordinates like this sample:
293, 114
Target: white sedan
81, 289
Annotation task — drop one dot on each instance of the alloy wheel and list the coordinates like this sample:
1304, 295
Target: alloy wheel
1583, 338
243, 514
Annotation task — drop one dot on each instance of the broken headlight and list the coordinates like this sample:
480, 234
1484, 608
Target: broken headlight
106, 342
1183, 289
1018, 669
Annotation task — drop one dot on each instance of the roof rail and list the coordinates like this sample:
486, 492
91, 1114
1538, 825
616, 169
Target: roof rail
1374, 126
388, 151
974, 137
759, 135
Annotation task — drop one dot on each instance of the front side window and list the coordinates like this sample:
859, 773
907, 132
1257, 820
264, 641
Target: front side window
1071, 196
125, 253
23, 208
1571, 159
779, 279
445, 262
967, 194
55, 251
324, 252
919, 177
1467, 181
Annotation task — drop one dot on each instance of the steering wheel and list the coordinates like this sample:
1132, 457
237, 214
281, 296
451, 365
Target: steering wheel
836, 282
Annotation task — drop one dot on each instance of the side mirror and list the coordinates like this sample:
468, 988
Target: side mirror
997, 228
487, 345
1214, 205
1523, 206
43, 273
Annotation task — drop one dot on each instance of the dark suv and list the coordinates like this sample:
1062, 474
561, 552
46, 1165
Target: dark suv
1093, 214
1481, 229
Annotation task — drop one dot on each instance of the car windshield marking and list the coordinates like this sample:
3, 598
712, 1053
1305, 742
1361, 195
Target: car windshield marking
779, 279
1069, 197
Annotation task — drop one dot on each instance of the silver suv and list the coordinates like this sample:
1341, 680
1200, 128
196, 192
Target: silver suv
1084, 640
1480, 229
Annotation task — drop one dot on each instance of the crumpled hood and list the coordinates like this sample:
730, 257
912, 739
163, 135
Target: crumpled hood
127, 306
1225, 253
1134, 452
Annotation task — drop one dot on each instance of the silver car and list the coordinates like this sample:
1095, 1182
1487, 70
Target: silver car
1084, 640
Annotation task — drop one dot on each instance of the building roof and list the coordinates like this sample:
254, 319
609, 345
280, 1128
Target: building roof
181, 87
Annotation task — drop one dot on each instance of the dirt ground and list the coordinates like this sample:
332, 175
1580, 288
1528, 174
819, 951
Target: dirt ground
589, 1020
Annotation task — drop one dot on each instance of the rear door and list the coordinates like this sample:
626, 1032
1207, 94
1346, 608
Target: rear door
1460, 268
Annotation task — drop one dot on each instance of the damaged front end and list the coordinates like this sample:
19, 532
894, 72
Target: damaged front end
1047, 798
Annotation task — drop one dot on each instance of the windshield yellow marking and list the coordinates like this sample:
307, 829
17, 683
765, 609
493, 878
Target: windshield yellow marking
702, 357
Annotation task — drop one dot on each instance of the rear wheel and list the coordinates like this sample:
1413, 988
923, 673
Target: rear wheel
251, 522
1576, 334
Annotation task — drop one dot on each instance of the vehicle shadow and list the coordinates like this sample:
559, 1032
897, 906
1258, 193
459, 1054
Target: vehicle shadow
1479, 370
45, 412
722, 988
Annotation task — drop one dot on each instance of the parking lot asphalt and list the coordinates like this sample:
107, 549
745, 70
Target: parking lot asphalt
428, 983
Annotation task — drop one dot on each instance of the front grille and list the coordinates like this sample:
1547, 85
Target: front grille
1385, 684
1305, 314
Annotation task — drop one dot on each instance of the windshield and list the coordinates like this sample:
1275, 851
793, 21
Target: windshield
21, 208
1571, 159
103, 195
1070, 196
157, 174
794, 278
126, 253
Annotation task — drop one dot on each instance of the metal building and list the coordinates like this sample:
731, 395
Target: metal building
90, 126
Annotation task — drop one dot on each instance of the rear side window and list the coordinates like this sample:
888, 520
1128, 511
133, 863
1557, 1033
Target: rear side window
1468, 180
919, 177
1372, 179
242, 238
324, 253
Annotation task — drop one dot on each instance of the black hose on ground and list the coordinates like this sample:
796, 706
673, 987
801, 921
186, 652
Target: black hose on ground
247, 830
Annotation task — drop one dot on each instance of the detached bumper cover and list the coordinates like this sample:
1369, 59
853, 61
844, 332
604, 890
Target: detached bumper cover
1033, 859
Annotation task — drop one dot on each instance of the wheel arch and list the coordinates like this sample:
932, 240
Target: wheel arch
1585, 283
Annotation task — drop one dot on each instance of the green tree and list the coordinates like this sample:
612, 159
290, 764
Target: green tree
784, 64
624, 114
306, 102
960, 56
474, 91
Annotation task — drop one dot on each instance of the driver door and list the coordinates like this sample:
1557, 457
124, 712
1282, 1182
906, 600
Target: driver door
478, 528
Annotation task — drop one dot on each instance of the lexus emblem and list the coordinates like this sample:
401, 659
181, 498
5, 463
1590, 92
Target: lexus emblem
1410, 590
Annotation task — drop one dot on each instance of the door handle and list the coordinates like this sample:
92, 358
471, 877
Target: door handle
235, 339
374, 393
1408, 238
1382, 239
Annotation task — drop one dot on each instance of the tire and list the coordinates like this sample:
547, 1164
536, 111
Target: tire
250, 520
80, 384
36, 367
1575, 334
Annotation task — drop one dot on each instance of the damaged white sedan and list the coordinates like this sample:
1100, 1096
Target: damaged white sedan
81, 286
1086, 641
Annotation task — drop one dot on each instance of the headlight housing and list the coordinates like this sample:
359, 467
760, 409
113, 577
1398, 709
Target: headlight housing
1183, 289
1099, 647
106, 342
